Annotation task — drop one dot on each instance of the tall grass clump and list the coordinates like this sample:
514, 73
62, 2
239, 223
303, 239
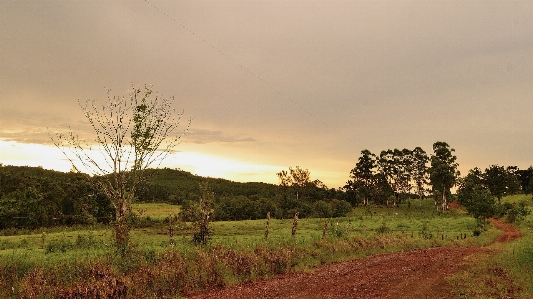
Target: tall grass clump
520, 260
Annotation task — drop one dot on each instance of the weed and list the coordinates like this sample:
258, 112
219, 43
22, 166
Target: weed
58, 245
425, 233
383, 229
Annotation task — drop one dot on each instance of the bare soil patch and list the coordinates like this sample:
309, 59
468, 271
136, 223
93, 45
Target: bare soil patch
510, 232
410, 274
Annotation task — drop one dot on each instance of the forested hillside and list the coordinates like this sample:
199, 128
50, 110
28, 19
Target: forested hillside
32, 197
175, 186
252, 200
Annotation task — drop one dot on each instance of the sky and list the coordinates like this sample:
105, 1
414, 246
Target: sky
272, 84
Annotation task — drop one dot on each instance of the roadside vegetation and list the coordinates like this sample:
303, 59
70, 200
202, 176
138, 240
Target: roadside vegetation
508, 273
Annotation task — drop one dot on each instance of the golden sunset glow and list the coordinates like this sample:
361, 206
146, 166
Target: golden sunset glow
50, 157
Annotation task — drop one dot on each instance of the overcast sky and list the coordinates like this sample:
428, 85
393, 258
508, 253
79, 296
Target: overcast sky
273, 84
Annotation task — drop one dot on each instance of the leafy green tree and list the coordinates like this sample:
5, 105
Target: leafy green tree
530, 187
297, 179
340, 208
501, 181
396, 166
364, 177
466, 185
443, 172
524, 177
133, 132
478, 201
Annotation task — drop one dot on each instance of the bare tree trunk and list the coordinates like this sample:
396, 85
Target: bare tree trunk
170, 230
444, 200
122, 231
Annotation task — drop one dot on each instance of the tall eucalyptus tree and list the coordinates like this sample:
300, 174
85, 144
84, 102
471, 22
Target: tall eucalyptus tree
396, 166
443, 173
419, 171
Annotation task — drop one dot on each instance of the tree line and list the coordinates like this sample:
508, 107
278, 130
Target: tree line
479, 189
295, 193
397, 175
32, 197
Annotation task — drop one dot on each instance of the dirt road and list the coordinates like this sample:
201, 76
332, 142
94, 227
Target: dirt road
410, 274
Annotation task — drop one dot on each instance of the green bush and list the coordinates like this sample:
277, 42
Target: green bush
322, 209
383, 228
58, 245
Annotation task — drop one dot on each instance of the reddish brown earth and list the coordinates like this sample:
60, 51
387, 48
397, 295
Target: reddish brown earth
510, 233
411, 274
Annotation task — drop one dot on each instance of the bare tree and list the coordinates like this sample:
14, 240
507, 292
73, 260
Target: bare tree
133, 132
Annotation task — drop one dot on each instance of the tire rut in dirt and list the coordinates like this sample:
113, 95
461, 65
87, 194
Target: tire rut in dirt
410, 274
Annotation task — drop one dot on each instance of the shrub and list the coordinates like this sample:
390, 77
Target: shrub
58, 245
322, 209
383, 228
425, 233
340, 208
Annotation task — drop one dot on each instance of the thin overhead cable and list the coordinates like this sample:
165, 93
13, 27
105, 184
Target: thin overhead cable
229, 58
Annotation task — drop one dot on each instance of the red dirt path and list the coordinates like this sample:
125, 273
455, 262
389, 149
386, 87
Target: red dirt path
411, 274
510, 233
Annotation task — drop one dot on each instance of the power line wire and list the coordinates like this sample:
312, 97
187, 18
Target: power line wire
231, 59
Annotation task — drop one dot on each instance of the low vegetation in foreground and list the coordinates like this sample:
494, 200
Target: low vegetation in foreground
83, 263
509, 273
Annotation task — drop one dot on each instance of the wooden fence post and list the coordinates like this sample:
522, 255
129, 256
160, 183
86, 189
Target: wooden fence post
267, 225
295, 223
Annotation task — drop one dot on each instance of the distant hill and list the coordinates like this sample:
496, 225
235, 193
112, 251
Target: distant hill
169, 185
174, 185
35, 197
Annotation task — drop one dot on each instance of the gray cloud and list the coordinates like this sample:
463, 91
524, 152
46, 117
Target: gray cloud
200, 136
314, 79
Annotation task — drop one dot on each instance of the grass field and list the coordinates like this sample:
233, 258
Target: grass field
362, 222
155, 210
366, 231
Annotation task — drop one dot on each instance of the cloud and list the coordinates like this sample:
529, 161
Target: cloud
201, 136
25, 126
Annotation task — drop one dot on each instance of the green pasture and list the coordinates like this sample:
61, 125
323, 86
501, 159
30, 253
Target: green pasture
155, 211
418, 221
